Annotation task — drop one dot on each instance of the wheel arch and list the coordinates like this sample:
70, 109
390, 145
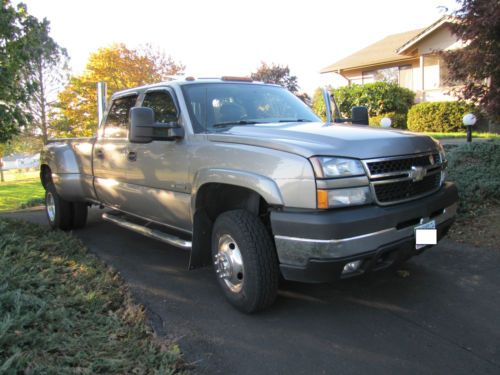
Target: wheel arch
212, 199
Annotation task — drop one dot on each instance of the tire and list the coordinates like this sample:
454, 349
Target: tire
245, 261
59, 212
79, 214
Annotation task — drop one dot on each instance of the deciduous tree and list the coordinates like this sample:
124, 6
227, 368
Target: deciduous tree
277, 74
478, 63
20, 35
120, 67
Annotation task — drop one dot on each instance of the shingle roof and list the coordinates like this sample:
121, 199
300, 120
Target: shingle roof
377, 53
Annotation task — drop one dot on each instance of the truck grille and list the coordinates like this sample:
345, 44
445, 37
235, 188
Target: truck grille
403, 190
399, 179
398, 165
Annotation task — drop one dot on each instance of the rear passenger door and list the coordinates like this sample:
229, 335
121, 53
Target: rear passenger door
110, 159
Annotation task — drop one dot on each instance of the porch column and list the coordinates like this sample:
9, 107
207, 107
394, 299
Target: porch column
422, 77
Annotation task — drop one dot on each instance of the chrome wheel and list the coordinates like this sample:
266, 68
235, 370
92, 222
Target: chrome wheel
51, 206
229, 263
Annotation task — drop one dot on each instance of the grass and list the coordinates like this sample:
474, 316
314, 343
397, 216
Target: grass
20, 175
62, 311
20, 194
463, 135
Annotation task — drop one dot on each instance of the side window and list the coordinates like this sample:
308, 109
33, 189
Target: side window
162, 104
116, 125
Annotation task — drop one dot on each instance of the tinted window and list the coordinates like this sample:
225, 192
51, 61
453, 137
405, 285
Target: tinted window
213, 105
162, 104
116, 125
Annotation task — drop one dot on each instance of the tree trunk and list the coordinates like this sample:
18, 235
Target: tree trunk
43, 104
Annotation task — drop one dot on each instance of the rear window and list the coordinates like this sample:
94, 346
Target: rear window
116, 125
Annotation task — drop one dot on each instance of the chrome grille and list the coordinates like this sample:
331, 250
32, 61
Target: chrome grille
395, 180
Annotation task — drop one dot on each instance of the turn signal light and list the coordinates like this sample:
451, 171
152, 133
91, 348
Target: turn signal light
322, 198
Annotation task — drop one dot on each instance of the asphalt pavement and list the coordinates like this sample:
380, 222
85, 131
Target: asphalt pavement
441, 316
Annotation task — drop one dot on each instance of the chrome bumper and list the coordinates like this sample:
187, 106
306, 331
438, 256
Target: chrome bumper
297, 251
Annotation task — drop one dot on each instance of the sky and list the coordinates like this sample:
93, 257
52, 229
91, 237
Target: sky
220, 37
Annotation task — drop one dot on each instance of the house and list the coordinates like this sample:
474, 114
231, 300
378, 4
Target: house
409, 59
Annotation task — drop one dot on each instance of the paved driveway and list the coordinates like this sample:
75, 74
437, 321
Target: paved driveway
443, 318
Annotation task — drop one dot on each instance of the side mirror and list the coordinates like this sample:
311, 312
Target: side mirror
359, 115
144, 129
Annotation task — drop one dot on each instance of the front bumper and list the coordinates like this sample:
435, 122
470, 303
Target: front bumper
315, 246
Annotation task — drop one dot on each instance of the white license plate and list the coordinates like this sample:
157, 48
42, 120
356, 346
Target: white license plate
425, 234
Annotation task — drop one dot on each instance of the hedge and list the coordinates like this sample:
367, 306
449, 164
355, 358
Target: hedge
381, 99
438, 116
475, 169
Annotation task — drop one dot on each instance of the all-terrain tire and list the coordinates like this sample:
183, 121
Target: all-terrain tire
260, 277
59, 211
79, 214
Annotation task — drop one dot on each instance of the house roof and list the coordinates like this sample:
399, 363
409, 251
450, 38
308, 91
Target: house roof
391, 48
417, 38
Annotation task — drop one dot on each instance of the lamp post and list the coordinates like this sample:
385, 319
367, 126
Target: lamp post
469, 121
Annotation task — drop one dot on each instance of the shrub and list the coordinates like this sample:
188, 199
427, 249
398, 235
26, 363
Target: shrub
438, 116
398, 120
378, 97
381, 99
475, 168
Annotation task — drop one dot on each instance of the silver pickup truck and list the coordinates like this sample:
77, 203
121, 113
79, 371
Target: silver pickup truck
249, 180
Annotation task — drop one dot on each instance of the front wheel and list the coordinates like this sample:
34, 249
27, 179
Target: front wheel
245, 260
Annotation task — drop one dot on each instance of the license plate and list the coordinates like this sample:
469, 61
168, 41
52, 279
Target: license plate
425, 234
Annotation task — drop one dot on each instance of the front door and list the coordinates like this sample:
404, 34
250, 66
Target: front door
158, 172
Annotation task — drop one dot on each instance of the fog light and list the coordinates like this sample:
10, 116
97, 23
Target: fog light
351, 267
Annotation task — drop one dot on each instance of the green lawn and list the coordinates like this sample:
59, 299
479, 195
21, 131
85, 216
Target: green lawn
62, 311
14, 195
462, 135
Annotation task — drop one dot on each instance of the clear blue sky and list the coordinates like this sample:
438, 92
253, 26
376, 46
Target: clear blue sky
222, 37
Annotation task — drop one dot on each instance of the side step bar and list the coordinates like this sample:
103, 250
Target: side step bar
152, 233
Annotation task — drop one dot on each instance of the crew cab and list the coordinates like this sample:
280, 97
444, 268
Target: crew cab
254, 184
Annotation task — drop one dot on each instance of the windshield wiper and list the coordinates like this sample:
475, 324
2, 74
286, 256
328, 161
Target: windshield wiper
296, 120
234, 123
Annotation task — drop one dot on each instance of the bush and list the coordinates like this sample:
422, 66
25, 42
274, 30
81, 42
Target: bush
475, 169
398, 120
381, 99
438, 116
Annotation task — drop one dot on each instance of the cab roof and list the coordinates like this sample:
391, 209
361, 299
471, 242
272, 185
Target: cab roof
181, 81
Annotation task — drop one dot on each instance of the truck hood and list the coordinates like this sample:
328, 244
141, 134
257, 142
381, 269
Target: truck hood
309, 139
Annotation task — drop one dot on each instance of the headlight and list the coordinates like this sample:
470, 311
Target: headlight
331, 167
344, 197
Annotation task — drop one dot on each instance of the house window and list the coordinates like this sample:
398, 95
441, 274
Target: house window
384, 75
431, 72
406, 76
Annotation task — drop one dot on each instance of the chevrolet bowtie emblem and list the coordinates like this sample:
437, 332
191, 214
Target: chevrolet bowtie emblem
417, 173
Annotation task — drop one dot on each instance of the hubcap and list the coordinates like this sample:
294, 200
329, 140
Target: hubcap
229, 263
51, 206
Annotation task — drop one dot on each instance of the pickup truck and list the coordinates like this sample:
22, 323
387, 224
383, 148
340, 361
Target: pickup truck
250, 181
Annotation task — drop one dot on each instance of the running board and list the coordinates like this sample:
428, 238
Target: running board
152, 233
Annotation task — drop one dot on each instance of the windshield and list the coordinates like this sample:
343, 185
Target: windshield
216, 106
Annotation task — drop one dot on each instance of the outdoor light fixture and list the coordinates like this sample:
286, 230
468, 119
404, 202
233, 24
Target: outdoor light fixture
469, 121
385, 122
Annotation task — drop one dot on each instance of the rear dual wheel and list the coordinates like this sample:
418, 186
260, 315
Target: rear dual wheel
63, 214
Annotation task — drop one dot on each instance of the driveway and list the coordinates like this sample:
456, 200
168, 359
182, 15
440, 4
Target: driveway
442, 316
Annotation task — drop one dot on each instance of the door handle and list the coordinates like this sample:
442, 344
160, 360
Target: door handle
132, 156
99, 154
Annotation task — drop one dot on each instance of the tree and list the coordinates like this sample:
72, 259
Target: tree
277, 74
120, 67
50, 68
477, 64
19, 35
